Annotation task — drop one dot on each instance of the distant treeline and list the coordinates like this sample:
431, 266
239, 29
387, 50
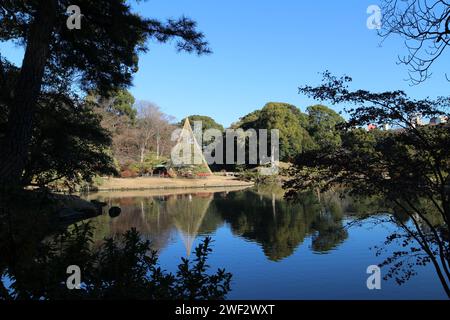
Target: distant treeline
141, 132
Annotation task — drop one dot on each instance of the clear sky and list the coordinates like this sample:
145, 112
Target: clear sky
264, 50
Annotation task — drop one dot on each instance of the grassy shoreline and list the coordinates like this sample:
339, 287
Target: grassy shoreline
156, 183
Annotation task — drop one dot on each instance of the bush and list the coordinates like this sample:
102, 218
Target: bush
121, 268
128, 173
255, 176
134, 169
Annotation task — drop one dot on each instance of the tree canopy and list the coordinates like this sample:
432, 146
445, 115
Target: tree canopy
321, 125
298, 131
119, 102
207, 122
408, 166
101, 56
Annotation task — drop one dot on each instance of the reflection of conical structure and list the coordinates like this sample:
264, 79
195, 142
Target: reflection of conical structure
188, 214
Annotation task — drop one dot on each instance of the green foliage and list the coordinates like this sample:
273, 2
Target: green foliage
407, 166
382, 161
68, 144
255, 176
101, 56
151, 160
192, 283
207, 122
149, 164
247, 120
121, 268
294, 138
104, 52
322, 122
123, 104
118, 102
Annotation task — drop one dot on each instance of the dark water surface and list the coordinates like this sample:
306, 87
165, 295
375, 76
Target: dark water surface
273, 248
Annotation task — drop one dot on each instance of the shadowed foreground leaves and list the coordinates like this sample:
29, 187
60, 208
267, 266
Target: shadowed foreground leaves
121, 268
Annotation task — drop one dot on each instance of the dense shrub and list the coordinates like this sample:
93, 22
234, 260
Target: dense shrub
121, 268
128, 173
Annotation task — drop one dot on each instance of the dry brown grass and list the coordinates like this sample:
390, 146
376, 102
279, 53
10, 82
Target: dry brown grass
148, 183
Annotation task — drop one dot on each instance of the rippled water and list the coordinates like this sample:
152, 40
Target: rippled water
275, 249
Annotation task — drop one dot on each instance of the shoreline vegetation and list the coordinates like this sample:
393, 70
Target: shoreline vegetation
69, 126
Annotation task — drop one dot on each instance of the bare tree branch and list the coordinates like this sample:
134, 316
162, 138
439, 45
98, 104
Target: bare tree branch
425, 26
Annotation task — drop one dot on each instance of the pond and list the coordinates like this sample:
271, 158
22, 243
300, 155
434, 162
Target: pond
310, 249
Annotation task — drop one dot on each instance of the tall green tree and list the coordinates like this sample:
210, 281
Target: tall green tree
79, 150
119, 102
322, 122
207, 122
68, 143
288, 119
102, 55
408, 166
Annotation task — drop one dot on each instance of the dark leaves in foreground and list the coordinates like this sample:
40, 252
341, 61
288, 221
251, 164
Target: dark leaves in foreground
121, 268
407, 165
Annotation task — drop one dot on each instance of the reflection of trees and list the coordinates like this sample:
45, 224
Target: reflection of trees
147, 215
211, 222
260, 215
156, 217
281, 226
33, 265
35, 251
329, 233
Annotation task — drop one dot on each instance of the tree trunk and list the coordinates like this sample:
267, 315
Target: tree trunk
16, 142
142, 154
447, 212
157, 146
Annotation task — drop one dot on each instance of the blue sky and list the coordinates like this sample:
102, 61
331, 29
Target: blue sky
264, 50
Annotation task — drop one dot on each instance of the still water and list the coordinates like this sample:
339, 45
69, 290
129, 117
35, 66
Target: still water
275, 249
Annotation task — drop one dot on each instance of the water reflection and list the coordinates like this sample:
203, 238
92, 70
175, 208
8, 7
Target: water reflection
307, 230
157, 218
280, 226
36, 249
258, 215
